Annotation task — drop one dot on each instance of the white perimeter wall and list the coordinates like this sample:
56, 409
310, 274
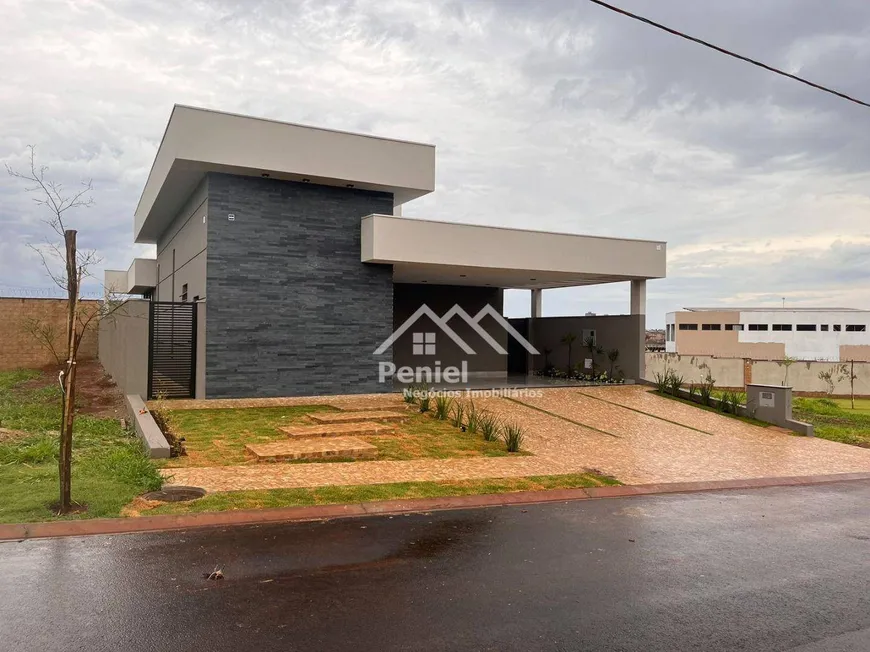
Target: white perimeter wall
803, 376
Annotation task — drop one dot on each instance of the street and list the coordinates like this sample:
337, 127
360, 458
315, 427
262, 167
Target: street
765, 569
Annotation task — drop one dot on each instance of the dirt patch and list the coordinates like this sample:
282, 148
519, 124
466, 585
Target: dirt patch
8, 435
138, 505
96, 393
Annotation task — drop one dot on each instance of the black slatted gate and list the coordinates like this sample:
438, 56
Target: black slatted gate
172, 350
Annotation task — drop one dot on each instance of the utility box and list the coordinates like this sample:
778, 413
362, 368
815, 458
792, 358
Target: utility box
772, 403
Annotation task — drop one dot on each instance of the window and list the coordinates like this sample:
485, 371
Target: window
184, 293
688, 327
837, 328
782, 327
824, 327
733, 327
195, 298
805, 327
711, 327
758, 327
856, 328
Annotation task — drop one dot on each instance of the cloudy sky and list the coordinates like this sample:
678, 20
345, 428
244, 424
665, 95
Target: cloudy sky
554, 114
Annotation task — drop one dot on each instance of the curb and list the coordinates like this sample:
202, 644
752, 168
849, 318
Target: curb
49, 529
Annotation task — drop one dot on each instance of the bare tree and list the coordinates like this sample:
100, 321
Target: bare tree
66, 266
46, 334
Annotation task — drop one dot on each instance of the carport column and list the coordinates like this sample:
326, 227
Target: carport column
638, 310
537, 304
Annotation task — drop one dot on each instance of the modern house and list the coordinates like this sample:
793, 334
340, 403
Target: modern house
831, 334
284, 266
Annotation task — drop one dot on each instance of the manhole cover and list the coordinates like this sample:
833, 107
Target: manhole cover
175, 494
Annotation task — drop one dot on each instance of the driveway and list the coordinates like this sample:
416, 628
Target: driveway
765, 569
623, 431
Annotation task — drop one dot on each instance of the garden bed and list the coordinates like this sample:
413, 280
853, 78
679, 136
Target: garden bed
217, 436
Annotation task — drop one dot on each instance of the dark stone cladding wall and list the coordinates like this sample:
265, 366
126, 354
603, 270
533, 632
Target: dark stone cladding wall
291, 310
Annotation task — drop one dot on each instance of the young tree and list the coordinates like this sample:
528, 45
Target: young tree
66, 266
787, 362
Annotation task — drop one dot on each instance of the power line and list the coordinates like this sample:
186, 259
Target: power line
730, 53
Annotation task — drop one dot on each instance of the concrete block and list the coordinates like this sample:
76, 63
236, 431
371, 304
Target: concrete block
146, 428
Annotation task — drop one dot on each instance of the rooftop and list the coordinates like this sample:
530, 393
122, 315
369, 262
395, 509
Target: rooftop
198, 141
773, 309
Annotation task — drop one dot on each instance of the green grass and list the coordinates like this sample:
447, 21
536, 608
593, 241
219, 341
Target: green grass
862, 405
834, 419
109, 467
217, 437
362, 493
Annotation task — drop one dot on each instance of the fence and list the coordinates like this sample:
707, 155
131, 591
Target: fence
802, 375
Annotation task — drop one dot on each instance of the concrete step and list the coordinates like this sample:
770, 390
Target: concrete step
384, 406
312, 449
337, 429
353, 417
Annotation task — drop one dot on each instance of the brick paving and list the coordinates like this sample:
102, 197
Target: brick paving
633, 447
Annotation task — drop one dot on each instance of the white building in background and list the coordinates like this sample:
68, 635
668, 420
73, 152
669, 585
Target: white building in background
832, 334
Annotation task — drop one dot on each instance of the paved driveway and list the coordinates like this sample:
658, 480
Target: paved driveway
624, 431
639, 437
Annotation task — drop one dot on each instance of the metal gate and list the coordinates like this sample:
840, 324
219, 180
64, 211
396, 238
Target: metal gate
172, 350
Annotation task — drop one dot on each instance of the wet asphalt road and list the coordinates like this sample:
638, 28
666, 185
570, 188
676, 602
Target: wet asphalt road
769, 569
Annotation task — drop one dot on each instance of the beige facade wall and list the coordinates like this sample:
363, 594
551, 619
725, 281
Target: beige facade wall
123, 347
803, 376
19, 349
856, 352
722, 343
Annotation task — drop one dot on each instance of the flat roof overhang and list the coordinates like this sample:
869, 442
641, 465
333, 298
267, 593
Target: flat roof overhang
198, 141
447, 253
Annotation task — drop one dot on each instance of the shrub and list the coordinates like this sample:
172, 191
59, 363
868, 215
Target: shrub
442, 407
693, 391
408, 395
676, 382
736, 400
489, 426
457, 416
724, 402
472, 418
513, 435
663, 381
705, 389
425, 402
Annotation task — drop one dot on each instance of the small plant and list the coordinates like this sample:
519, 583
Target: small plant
425, 402
457, 416
663, 381
705, 389
736, 399
472, 418
513, 435
408, 395
724, 402
675, 383
568, 340
489, 426
442, 407
613, 356
693, 391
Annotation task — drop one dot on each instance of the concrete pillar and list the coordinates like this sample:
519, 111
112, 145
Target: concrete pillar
537, 303
638, 297
638, 311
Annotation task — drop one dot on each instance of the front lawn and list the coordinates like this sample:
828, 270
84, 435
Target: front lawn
835, 420
233, 500
217, 437
109, 467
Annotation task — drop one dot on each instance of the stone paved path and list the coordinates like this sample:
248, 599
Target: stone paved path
633, 447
